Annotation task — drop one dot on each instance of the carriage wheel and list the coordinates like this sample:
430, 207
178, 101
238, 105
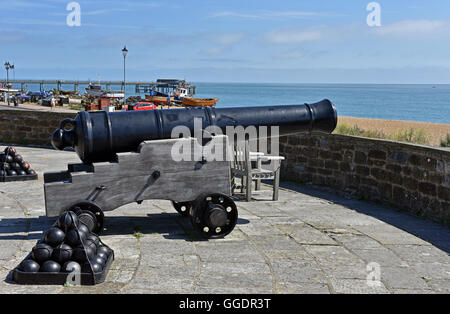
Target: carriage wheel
182, 208
214, 215
91, 215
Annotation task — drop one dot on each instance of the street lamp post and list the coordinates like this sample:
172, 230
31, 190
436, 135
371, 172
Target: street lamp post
124, 53
7, 67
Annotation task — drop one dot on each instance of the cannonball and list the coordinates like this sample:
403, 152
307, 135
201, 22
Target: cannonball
8, 159
91, 244
71, 266
16, 166
83, 228
62, 253
2, 173
29, 266
10, 151
11, 173
42, 252
5, 166
102, 255
91, 267
75, 237
68, 220
18, 158
54, 236
50, 267
25, 165
105, 250
99, 260
21, 173
94, 238
81, 254
31, 172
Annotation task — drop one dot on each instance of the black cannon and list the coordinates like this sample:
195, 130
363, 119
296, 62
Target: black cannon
126, 158
97, 136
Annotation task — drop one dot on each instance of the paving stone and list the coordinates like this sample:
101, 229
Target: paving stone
305, 234
356, 286
333, 255
304, 288
381, 256
402, 278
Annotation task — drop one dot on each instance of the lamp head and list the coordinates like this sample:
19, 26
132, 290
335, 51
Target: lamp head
124, 51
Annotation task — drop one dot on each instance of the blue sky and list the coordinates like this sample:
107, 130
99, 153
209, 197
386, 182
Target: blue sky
324, 41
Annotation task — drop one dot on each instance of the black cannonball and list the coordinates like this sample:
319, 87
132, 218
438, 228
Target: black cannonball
50, 267
105, 250
2, 173
102, 255
71, 266
42, 252
83, 228
31, 172
91, 244
5, 166
10, 151
94, 238
62, 253
25, 165
91, 267
81, 254
99, 260
18, 158
12, 173
68, 220
54, 236
16, 166
75, 237
29, 266
7, 159
21, 173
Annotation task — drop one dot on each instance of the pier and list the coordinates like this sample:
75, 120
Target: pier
161, 85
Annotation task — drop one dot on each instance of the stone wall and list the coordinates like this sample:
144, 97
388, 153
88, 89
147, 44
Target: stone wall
411, 177
29, 127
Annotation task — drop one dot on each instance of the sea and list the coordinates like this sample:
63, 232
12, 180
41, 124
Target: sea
428, 103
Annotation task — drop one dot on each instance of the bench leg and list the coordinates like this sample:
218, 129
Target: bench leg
258, 185
248, 193
276, 185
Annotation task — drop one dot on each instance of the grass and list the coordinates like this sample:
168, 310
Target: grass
445, 142
411, 135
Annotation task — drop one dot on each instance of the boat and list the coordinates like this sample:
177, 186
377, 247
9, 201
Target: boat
96, 91
158, 99
199, 102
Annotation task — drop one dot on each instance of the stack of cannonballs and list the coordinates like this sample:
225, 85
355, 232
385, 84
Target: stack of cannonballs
67, 247
13, 167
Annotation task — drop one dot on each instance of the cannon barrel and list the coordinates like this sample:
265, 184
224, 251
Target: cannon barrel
97, 136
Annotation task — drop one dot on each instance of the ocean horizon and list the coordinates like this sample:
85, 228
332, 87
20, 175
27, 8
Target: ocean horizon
408, 102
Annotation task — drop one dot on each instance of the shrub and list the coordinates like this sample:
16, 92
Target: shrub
445, 142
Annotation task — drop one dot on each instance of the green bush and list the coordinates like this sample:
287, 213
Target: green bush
445, 142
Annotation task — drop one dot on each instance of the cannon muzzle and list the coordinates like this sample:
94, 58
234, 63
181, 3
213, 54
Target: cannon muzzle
97, 136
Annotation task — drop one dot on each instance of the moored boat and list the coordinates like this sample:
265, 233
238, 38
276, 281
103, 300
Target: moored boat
199, 102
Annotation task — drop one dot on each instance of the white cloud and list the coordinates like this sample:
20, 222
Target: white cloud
413, 28
292, 36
